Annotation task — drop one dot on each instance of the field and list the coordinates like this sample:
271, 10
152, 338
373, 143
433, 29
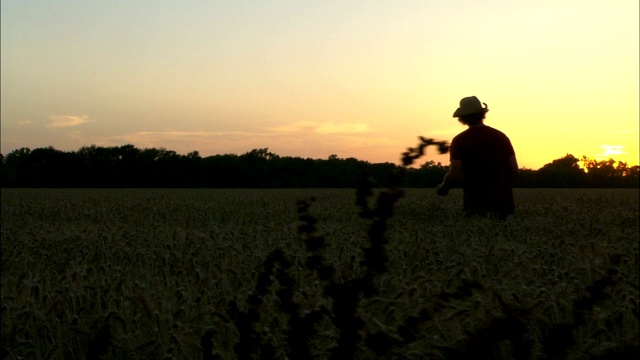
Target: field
153, 274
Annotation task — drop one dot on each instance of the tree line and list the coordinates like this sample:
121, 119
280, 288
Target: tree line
130, 167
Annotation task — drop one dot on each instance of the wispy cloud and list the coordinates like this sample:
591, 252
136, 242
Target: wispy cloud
333, 128
322, 128
24, 122
173, 134
193, 135
67, 120
300, 138
186, 140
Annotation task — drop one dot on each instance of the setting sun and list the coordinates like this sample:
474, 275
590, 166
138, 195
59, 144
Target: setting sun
616, 152
611, 151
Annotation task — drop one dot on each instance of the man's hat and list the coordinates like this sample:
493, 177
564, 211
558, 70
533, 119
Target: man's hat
470, 105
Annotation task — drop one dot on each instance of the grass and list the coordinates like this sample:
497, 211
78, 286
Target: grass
146, 273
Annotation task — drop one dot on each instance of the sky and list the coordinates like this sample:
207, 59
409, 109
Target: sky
358, 79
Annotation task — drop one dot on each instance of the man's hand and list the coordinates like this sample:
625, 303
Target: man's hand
453, 176
441, 190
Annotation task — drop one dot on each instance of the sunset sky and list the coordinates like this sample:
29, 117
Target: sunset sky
357, 79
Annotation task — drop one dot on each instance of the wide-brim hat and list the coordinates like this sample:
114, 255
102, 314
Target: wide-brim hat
470, 105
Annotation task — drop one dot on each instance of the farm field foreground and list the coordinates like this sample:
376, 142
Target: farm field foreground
164, 273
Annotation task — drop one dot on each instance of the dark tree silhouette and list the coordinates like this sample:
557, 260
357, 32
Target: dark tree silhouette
564, 172
128, 166
607, 173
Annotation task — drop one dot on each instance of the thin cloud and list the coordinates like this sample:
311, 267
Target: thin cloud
191, 134
67, 120
304, 139
333, 128
171, 138
323, 128
25, 122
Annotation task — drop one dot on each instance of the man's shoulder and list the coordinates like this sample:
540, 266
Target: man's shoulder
479, 134
494, 130
474, 131
484, 130
463, 134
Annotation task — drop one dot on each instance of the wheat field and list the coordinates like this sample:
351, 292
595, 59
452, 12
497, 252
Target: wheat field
146, 273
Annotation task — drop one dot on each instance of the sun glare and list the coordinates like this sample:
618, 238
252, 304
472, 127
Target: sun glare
619, 153
610, 151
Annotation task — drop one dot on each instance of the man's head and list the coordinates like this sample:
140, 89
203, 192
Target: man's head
471, 111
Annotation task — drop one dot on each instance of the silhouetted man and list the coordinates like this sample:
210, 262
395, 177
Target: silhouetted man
483, 158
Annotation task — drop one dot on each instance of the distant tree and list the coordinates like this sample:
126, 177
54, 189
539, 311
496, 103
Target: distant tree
294, 172
52, 168
261, 153
254, 168
633, 177
429, 174
17, 168
128, 171
220, 170
3, 179
193, 155
128, 166
564, 172
610, 173
17, 163
528, 178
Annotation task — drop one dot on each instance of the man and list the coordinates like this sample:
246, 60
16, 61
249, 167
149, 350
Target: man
483, 158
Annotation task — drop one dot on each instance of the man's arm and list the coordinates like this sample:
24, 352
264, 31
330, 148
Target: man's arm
450, 178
